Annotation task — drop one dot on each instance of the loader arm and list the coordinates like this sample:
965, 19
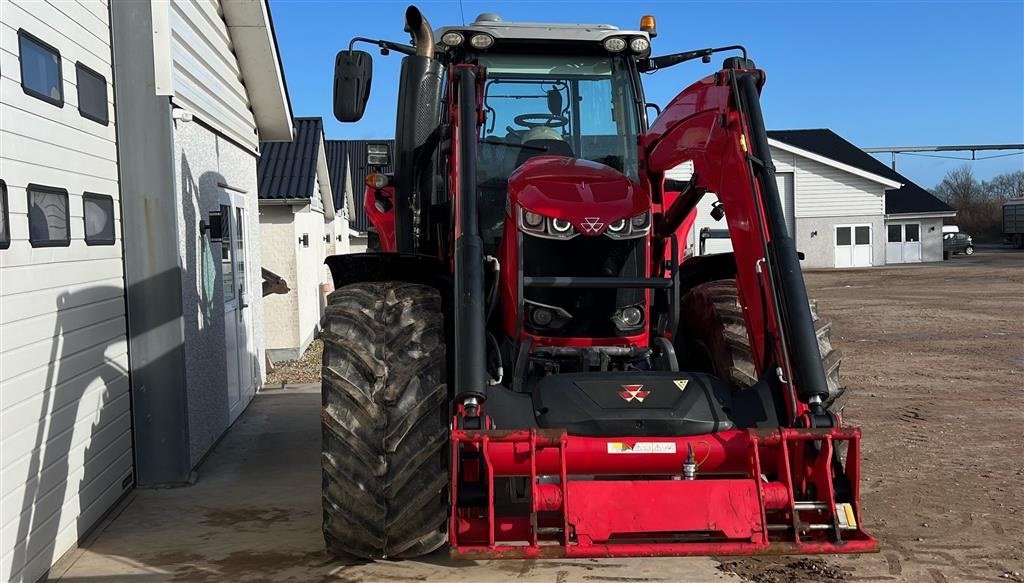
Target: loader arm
717, 126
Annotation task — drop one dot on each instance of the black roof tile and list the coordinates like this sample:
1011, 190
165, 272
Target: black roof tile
287, 170
911, 198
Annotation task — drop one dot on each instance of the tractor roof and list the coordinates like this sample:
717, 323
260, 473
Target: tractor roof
493, 25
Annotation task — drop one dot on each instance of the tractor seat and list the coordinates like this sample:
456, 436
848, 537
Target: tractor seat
552, 147
641, 404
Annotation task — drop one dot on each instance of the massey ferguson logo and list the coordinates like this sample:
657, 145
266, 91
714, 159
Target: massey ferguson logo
592, 224
631, 392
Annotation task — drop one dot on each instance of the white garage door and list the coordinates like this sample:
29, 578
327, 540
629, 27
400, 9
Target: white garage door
903, 243
853, 246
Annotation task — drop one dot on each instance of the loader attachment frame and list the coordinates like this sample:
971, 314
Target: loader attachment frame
754, 492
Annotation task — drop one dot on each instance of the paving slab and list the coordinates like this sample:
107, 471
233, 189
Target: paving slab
254, 515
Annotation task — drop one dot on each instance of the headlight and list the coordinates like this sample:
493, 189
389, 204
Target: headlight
532, 220
540, 226
636, 226
481, 41
628, 318
561, 226
614, 44
452, 39
639, 45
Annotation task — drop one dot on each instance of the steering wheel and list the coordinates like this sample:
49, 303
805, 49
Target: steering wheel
548, 120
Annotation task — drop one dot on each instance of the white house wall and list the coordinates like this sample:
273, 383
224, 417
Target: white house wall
310, 273
65, 427
279, 239
205, 76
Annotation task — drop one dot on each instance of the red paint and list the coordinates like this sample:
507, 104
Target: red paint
383, 220
742, 502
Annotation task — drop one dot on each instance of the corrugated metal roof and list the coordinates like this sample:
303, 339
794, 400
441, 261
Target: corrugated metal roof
354, 151
287, 170
337, 166
911, 198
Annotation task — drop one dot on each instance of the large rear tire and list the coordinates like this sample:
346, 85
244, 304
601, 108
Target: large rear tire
714, 334
384, 421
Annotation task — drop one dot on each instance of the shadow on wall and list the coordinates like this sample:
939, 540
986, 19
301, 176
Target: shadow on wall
209, 397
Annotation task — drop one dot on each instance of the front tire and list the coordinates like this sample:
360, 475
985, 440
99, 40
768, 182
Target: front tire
969, 250
713, 328
385, 416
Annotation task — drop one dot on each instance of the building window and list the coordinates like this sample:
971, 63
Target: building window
378, 155
895, 233
862, 235
48, 216
41, 75
92, 94
5, 223
99, 218
913, 232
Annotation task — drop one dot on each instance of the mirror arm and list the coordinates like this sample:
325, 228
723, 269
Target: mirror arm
655, 63
385, 45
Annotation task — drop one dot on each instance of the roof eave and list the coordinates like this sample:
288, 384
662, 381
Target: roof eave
833, 163
921, 215
252, 36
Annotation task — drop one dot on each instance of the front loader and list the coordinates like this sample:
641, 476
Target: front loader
534, 363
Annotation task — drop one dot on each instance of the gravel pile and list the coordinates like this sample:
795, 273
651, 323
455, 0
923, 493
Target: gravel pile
303, 370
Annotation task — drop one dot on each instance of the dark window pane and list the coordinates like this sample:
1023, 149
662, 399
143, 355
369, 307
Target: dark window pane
862, 235
226, 249
5, 223
99, 219
40, 69
913, 231
92, 94
240, 249
843, 236
48, 216
895, 233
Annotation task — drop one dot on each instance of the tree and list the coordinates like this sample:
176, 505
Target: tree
1005, 186
959, 188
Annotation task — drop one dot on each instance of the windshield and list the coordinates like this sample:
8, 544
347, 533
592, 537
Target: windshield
565, 105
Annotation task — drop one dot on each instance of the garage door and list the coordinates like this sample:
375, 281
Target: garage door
903, 243
853, 246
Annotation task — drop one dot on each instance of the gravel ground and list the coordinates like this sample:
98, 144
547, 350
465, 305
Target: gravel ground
303, 370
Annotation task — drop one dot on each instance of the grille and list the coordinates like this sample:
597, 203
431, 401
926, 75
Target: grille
591, 309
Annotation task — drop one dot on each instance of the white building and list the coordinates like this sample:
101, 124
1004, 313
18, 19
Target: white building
844, 207
299, 228
128, 334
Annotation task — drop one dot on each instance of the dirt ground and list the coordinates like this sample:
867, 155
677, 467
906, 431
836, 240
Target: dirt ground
934, 365
934, 362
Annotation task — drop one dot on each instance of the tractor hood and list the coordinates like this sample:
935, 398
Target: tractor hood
587, 194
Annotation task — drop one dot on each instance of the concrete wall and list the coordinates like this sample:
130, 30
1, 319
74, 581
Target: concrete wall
204, 161
819, 249
310, 273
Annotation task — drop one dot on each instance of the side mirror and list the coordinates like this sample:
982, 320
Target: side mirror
353, 71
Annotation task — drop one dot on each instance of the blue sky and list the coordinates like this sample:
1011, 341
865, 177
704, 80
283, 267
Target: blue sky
878, 73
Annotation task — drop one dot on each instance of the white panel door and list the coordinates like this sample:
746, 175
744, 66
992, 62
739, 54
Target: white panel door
894, 243
862, 246
912, 243
853, 246
903, 243
238, 341
232, 303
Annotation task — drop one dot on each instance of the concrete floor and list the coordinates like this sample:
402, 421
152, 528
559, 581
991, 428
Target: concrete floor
254, 516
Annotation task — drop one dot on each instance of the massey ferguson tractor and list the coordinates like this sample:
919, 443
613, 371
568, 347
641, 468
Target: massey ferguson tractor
533, 365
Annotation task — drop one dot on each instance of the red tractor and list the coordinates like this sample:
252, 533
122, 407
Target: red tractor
533, 365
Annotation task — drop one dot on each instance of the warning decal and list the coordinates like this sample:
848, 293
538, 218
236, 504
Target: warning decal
641, 447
